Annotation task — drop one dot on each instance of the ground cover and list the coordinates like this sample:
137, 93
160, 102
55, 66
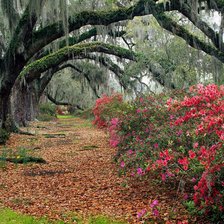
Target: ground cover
79, 178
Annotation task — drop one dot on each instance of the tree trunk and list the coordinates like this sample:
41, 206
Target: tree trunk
25, 103
6, 118
10, 69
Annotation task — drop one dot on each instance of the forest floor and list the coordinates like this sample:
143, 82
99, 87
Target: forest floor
79, 179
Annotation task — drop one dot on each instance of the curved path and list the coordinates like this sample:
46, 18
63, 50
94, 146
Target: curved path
78, 178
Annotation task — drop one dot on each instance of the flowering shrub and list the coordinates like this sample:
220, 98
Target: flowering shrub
204, 111
105, 109
179, 137
107, 112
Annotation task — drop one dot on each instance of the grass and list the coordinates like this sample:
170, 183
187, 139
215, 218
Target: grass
7, 216
65, 116
103, 220
18, 155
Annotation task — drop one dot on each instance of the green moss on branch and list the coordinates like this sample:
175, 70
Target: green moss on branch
70, 52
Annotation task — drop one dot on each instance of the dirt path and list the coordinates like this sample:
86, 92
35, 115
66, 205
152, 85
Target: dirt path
79, 177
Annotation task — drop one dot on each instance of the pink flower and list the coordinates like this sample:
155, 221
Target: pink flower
195, 145
154, 203
140, 171
171, 117
114, 121
114, 142
122, 164
141, 213
141, 100
155, 212
185, 196
156, 145
195, 187
179, 133
169, 101
138, 111
163, 177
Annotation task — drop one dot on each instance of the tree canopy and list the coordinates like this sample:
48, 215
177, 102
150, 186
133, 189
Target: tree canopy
38, 36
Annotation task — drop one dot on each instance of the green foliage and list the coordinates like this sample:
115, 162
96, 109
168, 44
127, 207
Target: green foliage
190, 207
48, 108
47, 112
181, 65
4, 136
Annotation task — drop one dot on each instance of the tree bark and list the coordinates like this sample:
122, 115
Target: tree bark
5, 115
25, 103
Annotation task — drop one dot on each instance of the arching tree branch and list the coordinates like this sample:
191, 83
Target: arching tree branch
54, 31
142, 7
193, 16
59, 103
73, 52
81, 51
170, 25
75, 40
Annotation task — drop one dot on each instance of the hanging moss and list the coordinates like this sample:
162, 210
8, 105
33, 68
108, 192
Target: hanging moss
170, 25
103, 17
65, 53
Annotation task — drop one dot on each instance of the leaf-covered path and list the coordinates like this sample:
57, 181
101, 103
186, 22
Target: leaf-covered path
78, 178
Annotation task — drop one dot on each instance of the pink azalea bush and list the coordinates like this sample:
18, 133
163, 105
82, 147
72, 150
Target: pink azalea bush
177, 137
105, 109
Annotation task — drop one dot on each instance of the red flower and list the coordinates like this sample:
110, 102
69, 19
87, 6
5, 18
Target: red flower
184, 162
192, 154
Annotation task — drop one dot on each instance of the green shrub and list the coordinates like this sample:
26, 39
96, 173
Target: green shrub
4, 136
47, 108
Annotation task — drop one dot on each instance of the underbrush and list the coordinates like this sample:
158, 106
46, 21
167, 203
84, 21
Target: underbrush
4, 136
47, 112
